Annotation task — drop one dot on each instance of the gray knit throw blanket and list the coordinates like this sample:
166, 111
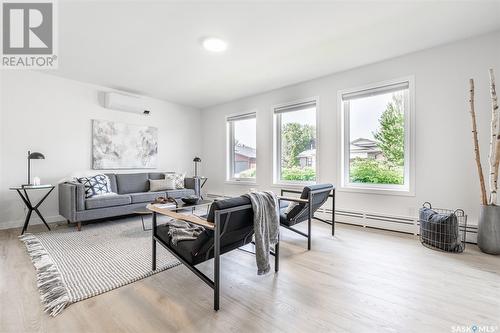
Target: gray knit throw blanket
266, 225
180, 230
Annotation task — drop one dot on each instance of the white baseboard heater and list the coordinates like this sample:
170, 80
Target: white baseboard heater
405, 224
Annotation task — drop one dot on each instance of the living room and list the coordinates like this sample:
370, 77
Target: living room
200, 166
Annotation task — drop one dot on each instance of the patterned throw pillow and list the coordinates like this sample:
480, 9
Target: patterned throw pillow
95, 185
178, 179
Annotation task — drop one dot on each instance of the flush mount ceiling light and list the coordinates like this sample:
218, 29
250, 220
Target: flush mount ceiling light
213, 44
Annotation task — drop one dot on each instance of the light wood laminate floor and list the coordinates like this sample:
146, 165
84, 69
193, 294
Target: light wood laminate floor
362, 280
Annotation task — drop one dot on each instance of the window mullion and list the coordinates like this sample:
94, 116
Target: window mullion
279, 147
347, 143
232, 146
407, 142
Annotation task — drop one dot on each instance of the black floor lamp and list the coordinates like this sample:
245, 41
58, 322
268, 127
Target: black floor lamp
32, 156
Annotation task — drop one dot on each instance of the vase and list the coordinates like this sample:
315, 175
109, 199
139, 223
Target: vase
488, 233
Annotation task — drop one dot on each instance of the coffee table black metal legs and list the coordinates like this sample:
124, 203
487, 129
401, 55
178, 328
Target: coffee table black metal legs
143, 226
26, 199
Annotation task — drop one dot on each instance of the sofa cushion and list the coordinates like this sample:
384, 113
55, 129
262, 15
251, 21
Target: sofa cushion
145, 196
102, 201
156, 175
132, 183
180, 193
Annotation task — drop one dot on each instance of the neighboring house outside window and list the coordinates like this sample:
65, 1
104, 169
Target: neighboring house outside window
307, 158
245, 158
366, 149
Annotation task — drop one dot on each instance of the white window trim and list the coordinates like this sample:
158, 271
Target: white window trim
230, 179
408, 189
277, 182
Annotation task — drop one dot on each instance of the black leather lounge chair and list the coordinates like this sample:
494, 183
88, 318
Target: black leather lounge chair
311, 199
229, 225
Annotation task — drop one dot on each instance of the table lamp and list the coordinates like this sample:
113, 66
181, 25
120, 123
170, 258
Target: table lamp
32, 156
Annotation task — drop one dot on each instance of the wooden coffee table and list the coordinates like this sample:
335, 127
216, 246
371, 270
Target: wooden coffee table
171, 207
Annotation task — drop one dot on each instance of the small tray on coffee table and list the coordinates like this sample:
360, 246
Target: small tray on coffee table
182, 205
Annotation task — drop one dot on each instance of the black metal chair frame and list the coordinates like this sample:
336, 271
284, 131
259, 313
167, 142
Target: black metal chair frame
215, 283
311, 216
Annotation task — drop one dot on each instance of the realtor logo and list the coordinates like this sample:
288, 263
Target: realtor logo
28, 35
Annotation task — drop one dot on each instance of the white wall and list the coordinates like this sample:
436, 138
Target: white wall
445, 169
52, 115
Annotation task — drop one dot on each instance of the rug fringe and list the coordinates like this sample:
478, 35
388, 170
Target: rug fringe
53, 292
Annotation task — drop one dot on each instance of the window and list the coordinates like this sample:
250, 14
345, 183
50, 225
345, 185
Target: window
242, 143
376, 140
295, 142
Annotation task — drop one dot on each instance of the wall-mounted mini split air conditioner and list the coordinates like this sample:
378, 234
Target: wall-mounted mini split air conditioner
126, 103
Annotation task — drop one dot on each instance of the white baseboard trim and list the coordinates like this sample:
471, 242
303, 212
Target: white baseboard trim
405, 224
34, 220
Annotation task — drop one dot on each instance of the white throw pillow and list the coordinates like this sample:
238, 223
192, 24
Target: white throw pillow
156, 185
177, 178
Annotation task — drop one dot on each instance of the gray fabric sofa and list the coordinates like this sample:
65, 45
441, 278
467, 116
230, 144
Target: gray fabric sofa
132, 193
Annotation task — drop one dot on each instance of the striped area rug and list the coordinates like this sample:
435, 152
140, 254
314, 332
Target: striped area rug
75, 265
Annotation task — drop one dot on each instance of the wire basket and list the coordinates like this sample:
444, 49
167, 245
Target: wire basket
442, 229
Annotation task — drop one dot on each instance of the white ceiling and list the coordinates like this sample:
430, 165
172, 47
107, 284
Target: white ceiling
153, 48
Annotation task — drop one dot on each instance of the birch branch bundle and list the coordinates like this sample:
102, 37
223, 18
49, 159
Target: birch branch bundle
476, 143
495, 140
